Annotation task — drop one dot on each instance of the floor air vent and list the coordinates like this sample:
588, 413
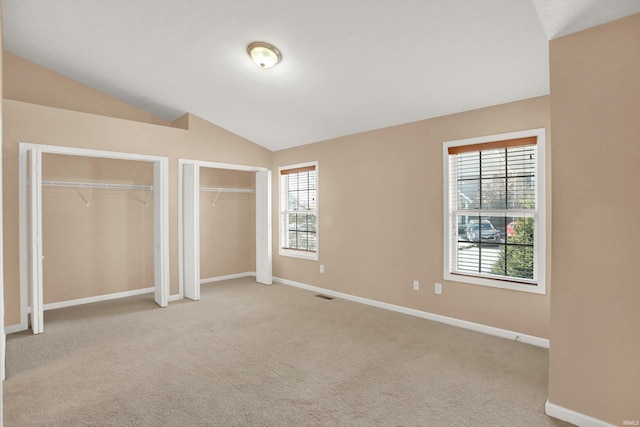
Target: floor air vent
325, 297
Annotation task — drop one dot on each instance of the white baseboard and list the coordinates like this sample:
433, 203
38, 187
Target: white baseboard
227, 277
70, 303
573, 417
19, 327
89, 300
175, 297
62, 304
490, 330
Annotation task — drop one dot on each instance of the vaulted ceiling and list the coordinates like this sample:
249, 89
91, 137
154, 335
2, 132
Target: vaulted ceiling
348, 65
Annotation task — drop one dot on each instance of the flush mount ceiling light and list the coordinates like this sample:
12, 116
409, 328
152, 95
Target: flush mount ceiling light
264, 54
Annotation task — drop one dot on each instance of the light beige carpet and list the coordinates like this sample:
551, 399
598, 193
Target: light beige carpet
255, 355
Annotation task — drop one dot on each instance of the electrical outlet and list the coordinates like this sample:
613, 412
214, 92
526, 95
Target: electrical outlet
321, 268
438, 289
416, 285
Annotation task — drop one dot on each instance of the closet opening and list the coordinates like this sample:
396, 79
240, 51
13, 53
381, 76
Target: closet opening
224, 224
93, 226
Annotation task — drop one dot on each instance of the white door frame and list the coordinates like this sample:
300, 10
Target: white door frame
33, 251
189, 216
190, 228
263, 228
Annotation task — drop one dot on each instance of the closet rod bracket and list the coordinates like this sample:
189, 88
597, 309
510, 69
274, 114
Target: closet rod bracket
216, 199
146, 204
87, 201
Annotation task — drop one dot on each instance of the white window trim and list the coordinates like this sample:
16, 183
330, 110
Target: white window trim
313, 256
539, 286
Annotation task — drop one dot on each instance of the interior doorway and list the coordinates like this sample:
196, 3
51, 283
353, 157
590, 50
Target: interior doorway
189, 222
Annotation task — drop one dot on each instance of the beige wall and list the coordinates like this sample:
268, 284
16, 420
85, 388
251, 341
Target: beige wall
27, 122
595, 305
227, 229
34, 84
381, 215
102, 248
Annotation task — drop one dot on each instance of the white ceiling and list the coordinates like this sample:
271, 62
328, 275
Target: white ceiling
348, 65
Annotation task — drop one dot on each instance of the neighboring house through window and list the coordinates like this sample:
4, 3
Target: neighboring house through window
299, 210
494, 211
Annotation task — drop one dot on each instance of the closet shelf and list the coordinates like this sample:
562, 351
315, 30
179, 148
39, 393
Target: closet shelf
220, 190
228, 190
97, 185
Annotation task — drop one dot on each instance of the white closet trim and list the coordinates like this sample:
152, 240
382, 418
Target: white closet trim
228, 190
31, 254
188, 221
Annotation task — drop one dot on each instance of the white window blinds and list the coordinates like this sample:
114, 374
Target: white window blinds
494, 211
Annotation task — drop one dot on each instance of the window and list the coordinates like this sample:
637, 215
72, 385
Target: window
299, 210
494, 211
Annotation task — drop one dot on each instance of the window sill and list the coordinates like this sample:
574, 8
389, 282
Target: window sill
534, 288
312, 256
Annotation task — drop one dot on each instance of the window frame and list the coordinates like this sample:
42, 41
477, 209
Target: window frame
282, 212
538, 284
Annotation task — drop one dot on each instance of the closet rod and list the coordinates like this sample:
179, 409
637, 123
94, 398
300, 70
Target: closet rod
228, 190
97, 185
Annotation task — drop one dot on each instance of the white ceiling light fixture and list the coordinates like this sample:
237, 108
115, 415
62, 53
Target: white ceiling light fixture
264, 54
